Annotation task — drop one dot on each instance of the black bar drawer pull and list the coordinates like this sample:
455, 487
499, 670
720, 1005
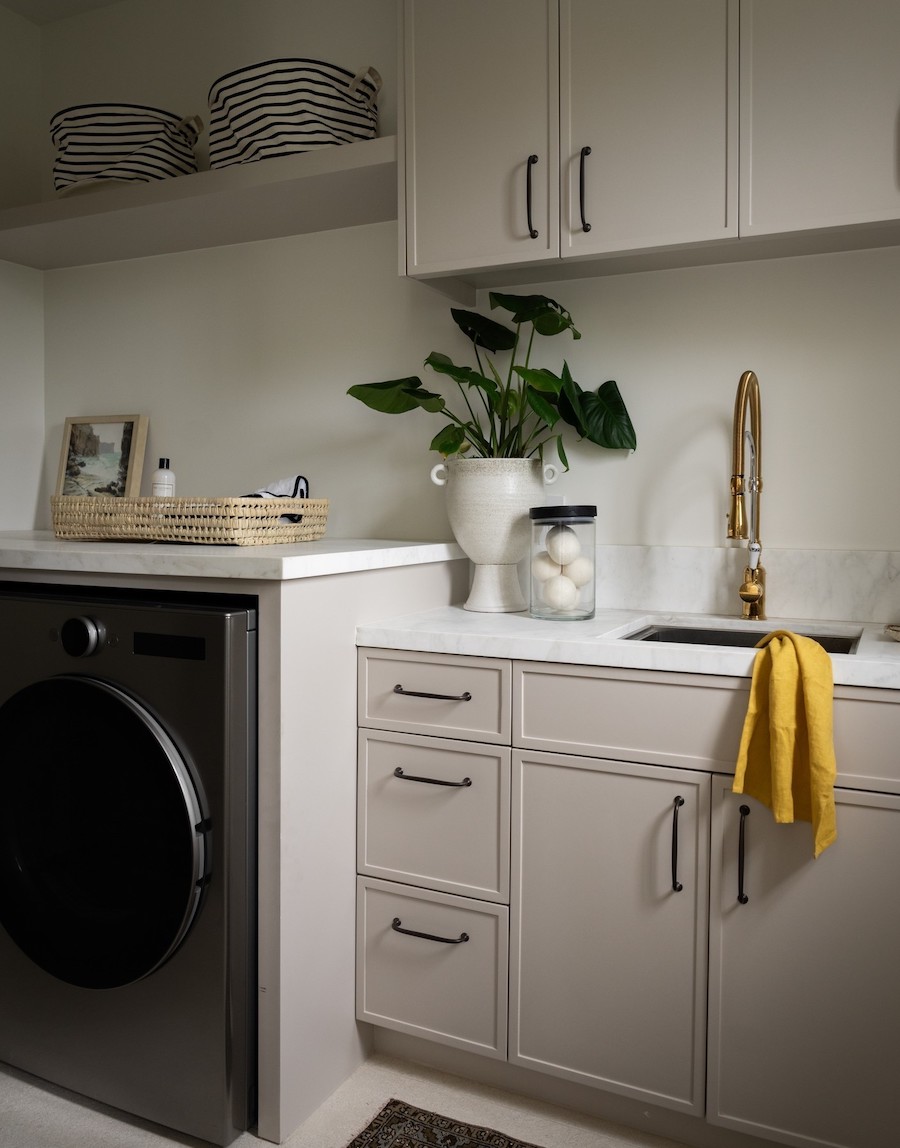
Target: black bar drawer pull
532, 160
742, 896
676, 805
585, 152
395, 925
398, 772
466, 697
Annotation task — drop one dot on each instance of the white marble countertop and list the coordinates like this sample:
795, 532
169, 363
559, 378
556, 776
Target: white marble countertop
41, 551
598, 642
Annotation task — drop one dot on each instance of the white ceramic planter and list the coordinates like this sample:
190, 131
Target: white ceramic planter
488, 500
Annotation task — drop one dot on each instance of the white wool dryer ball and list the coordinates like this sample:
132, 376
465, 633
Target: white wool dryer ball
580, 570
562, 544
543, 566
560, 592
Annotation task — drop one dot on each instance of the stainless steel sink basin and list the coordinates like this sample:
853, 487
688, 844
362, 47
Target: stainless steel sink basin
716, 636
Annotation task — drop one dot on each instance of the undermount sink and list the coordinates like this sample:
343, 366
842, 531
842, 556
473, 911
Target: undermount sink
722, 636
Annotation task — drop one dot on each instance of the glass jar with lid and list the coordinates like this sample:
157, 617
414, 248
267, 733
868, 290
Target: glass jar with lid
562, 562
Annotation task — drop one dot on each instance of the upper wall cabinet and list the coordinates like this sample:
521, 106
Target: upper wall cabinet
481, 108
648, 128
622, 111
820, 114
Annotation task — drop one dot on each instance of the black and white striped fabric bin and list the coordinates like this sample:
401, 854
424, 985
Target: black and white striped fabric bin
122, 142
281, 107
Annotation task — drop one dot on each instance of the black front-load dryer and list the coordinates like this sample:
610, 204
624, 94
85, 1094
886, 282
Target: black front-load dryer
127, 850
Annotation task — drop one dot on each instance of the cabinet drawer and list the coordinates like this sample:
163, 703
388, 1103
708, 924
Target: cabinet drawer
429, 827
465, 697
685, 720
454, 993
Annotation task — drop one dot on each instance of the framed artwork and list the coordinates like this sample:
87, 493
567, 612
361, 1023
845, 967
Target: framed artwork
103, 455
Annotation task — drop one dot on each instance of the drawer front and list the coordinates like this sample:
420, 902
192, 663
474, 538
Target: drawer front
448, 990
465, 697
684, 720
444, 823
689, 720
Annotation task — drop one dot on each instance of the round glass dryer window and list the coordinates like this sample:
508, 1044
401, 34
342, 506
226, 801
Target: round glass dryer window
103, 841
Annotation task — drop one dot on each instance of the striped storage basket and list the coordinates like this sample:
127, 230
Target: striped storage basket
281, 107
128, 142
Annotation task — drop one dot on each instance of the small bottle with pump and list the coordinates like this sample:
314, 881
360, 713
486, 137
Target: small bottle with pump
163, 481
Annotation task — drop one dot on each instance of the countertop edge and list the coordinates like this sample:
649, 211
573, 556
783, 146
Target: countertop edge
40, 551
598, 643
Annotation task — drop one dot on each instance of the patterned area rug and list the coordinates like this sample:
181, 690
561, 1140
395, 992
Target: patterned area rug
400, 1125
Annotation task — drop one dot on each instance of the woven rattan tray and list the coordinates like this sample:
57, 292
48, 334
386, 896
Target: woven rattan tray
223, 521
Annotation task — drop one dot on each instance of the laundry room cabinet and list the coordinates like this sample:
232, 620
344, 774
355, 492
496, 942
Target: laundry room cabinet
608, 926
820, 114
664, 948
803, 1000
622, 111
433, 847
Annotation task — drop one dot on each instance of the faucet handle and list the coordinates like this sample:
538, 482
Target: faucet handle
755, 551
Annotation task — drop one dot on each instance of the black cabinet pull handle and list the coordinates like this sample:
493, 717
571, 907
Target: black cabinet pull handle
395, 925
398, 772
742, 896
585, 151
532, 160
466, 697
676, 884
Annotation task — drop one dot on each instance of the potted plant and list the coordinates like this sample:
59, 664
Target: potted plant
495, 440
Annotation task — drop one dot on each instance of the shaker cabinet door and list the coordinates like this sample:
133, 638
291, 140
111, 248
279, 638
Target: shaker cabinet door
820, 114
803, 1007
650, 88
481, 97
608, 968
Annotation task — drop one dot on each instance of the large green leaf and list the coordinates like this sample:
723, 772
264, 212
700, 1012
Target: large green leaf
544, 410
396, 396
606, 419
484, 332
541, 379
548, 316
444, 365
449, 440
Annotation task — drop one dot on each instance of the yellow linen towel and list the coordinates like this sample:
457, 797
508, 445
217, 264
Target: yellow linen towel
786, 757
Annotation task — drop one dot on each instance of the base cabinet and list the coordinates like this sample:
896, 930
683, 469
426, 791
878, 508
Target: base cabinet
804, 1009
650, 947
608, 919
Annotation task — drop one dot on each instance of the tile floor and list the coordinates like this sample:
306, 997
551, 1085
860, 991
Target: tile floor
37, 1115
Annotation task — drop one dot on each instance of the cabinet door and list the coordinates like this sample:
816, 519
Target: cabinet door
650, 86
804, 1009
820, 100
608, 960
481, 96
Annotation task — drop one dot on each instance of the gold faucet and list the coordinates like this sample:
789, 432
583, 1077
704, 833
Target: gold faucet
743, 522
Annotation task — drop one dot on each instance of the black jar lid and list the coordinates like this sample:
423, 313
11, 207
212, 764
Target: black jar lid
571, 513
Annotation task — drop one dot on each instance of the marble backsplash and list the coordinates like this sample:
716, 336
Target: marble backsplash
832, 585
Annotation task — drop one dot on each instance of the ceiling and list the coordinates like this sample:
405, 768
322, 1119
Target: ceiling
46, 11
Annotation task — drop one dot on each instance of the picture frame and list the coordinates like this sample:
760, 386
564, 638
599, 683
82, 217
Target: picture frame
103, 456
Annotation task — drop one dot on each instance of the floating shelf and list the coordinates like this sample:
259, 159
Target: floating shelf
320, 190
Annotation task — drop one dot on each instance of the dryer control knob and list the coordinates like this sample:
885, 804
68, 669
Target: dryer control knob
82, 637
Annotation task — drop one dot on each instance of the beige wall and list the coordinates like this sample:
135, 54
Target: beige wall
23, 439
241, 357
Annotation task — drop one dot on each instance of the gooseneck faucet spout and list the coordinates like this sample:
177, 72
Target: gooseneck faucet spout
746, 486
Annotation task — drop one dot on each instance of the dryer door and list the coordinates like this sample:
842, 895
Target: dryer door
103, 849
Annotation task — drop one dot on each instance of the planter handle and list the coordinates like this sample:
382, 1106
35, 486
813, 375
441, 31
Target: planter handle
439, 474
